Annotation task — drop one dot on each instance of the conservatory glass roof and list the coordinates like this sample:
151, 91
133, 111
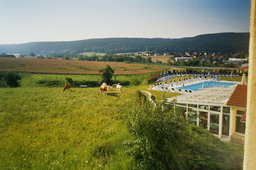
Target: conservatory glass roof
214, 95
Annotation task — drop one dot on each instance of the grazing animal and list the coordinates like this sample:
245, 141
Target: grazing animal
119, 88
67, 86
104, 88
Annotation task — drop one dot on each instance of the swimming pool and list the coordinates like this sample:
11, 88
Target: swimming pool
207, 84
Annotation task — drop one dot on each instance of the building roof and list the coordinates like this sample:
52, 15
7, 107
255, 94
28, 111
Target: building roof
239, 96
213, 95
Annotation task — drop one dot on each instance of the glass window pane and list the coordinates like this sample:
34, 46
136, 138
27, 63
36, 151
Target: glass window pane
225, 125
214, 123
215, 108
205, 107
240, 126
240, 112
203, 119
192, 115
226, 109
181, 110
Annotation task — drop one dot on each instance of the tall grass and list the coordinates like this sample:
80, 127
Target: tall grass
44, 128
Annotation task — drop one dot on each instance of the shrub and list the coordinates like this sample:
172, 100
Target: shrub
2, 80
84, 82
165, 140
12, 79
160, 139
123, 83
51, 83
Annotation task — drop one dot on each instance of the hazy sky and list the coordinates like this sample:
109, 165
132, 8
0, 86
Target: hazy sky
64, 20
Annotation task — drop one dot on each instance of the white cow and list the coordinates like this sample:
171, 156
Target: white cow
119, 87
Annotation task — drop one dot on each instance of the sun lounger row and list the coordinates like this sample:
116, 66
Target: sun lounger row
169, 76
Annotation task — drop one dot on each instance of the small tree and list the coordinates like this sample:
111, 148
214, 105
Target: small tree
69, 80
107, 74
12, 79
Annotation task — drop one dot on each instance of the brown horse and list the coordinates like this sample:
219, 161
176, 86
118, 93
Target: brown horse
67, 86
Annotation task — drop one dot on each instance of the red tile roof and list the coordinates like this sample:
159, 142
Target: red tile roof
239, 96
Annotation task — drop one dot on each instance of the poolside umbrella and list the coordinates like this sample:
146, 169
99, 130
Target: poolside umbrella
243, 82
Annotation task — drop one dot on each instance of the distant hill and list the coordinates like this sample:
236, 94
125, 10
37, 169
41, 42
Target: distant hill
220, 42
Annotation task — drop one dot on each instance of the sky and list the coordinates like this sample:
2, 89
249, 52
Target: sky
64, 20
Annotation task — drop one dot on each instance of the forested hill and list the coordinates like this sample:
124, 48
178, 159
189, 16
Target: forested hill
220, 42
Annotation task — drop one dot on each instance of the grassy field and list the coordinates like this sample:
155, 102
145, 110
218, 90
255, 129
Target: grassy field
45, 128
73, 67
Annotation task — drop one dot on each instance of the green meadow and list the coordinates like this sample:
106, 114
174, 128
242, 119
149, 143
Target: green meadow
42, 127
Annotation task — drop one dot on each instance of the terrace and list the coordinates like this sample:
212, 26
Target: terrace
213, 109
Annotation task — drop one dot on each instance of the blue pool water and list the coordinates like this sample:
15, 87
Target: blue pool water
207, 84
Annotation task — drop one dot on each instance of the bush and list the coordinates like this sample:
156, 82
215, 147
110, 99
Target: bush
161, 139
50, 83
165, 140
123, 83
10, 79
2, 80
88, 83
